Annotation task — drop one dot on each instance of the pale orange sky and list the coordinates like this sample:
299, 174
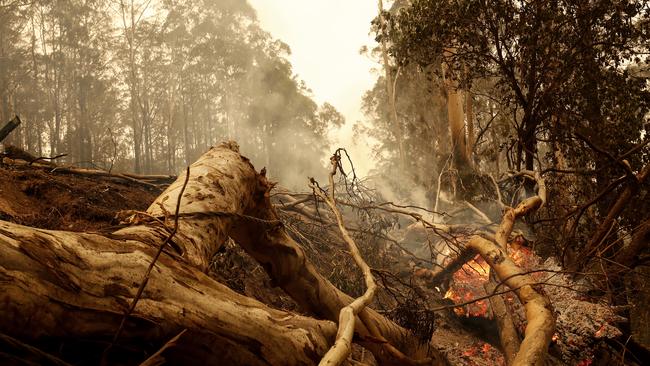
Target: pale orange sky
325, 37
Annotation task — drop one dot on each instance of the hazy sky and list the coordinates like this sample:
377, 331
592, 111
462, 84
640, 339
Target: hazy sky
325, 37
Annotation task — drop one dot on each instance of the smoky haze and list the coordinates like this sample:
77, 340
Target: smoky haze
148, 86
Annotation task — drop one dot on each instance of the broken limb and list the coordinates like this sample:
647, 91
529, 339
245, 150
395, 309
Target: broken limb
347, 317
526, 206
9, 127
286, 263
73, 286
47, 158
508, 335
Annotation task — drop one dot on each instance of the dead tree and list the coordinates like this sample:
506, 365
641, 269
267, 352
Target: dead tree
10, 126
76, 287
60, 288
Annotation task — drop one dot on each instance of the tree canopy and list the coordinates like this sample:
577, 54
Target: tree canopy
149, 85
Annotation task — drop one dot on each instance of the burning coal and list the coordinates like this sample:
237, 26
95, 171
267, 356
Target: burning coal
468, 282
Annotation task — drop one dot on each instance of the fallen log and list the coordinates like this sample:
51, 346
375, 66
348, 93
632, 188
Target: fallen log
63, 290
9, 127
67, 288
153, 183
289, 268
539, 311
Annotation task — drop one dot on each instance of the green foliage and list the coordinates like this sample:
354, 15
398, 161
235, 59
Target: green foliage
555, 85
547, 59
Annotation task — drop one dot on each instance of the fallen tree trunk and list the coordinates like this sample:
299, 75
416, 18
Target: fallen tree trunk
86, 282
76, 286
73, 288
9, 127
289, 268
154, 182
69, 291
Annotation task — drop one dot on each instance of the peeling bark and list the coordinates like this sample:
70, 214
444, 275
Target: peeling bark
59, 287
222, 185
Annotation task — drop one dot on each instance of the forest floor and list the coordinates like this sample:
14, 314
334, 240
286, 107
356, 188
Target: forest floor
54, 200
62, 201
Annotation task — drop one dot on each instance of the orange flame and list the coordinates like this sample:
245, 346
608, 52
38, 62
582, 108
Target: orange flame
468, 282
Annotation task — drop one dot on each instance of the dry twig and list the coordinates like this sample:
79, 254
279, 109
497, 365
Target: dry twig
347, 317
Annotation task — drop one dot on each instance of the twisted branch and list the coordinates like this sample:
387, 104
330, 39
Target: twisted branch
347, 317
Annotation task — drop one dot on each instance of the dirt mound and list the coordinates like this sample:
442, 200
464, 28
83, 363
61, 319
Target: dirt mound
61, 201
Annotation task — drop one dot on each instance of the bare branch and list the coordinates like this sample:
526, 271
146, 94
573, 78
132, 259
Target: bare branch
347, 317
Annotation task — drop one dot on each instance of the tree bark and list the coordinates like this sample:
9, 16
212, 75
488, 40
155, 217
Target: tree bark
61, 288
391, 92
614, 211
70, 287
469, 107
539, 312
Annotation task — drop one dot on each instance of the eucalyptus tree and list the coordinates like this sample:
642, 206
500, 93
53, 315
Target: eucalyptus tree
534, 51
567, 81
12, 23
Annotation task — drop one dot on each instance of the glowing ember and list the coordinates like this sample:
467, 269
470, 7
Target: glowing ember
449, 294
486, 352
585, 362
555, 337
486, 348
468, 282
471, 352
522, 256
